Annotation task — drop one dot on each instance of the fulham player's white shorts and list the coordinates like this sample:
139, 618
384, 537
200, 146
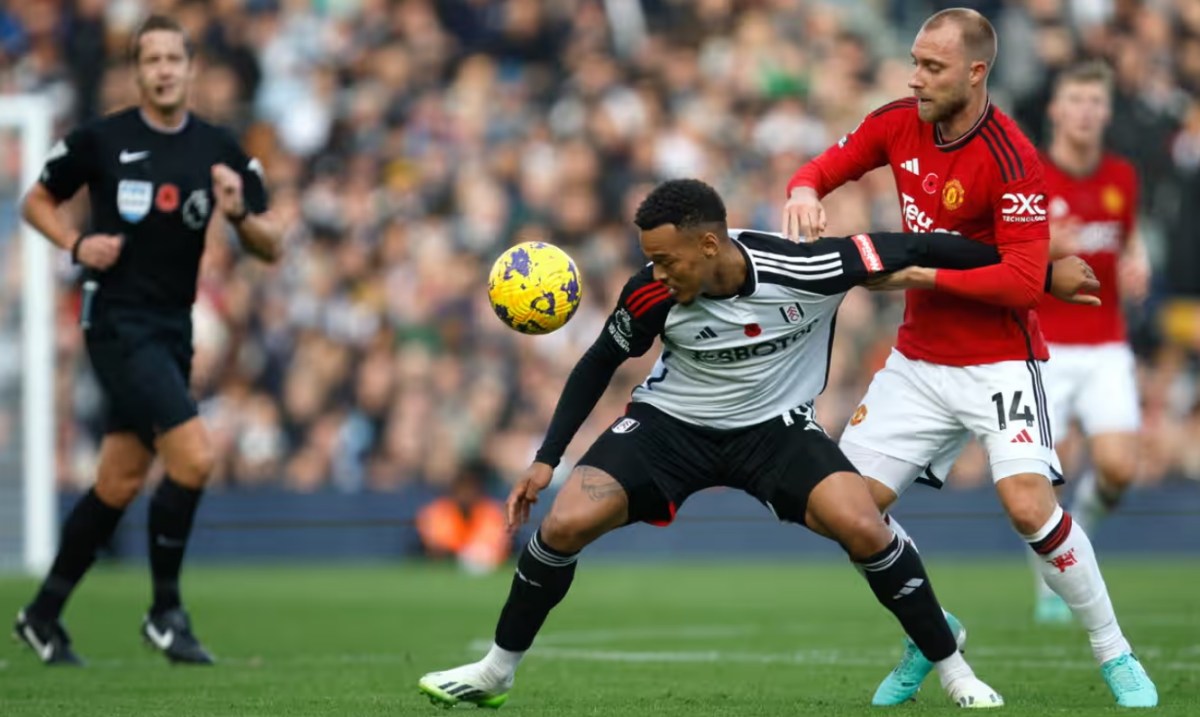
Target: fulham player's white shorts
918, 416
1096, 385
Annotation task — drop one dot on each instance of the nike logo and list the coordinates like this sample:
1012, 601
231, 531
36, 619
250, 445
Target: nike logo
44, 651
534, 583
165, 542
162, 640
125, 157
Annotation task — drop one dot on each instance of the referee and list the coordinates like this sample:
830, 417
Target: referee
157, 175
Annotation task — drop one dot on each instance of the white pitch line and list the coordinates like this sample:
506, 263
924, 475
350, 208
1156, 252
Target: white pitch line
575, 638
844, 658
683, 632
835, 657
584, 638
254, 662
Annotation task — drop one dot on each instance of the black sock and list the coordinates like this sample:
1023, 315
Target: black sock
90, 525
171, 512
898, 579
543, 577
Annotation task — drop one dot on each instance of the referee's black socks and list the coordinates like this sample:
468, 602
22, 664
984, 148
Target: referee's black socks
898, 578
90, 525
172, 510
542, 579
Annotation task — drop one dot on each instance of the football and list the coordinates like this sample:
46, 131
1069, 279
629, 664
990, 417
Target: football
534, 288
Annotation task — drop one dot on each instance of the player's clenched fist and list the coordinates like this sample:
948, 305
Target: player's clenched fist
227, 188
99, 251
803, 215
525, 493
1074, 281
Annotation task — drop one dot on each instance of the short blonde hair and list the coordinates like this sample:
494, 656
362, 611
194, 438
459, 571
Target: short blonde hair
978, 35
1086, 73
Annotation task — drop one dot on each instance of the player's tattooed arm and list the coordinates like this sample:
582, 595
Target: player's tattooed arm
597, 484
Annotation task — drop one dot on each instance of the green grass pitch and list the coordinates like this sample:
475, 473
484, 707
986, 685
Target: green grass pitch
688, 639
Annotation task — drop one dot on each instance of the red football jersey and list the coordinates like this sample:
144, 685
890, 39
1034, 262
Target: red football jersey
1105, 205
986, 185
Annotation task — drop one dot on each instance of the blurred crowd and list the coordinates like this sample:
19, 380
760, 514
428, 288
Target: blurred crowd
407, 142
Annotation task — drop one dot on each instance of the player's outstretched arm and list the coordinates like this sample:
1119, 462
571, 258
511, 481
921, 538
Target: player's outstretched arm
1017, 282
630, 330
638, 318
876, 259
1069, 278
586, 384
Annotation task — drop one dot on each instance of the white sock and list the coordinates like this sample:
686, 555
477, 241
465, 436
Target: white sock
502, 663
1068, 565
1088, 508
953, 668
1040, 589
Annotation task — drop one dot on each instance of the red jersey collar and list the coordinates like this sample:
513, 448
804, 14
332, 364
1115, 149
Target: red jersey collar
961, 141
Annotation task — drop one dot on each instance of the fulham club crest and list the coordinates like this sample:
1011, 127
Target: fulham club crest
792, 313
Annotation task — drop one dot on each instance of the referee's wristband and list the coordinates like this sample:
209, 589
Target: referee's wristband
75, 248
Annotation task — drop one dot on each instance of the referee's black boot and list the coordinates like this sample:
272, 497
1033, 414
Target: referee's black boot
170, 633
47, 638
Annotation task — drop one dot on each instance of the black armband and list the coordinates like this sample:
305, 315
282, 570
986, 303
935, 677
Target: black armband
75, 248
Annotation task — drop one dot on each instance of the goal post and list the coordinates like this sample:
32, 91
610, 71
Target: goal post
32, 117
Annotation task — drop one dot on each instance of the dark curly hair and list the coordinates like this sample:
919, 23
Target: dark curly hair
686, 203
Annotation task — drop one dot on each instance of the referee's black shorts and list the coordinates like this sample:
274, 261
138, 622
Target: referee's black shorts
143, 361
661, 460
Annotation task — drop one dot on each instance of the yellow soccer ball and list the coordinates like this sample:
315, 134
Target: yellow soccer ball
534, 287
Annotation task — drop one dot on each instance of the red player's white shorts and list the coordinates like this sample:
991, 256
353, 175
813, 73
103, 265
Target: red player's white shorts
917, 417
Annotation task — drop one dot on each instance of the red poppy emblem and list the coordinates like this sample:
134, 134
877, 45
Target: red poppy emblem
167, 199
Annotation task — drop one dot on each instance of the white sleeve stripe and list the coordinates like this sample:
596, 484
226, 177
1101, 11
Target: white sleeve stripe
757, 254
771, 263
802, 277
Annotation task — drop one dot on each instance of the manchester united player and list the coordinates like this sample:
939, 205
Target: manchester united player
1092, 204
969, 359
